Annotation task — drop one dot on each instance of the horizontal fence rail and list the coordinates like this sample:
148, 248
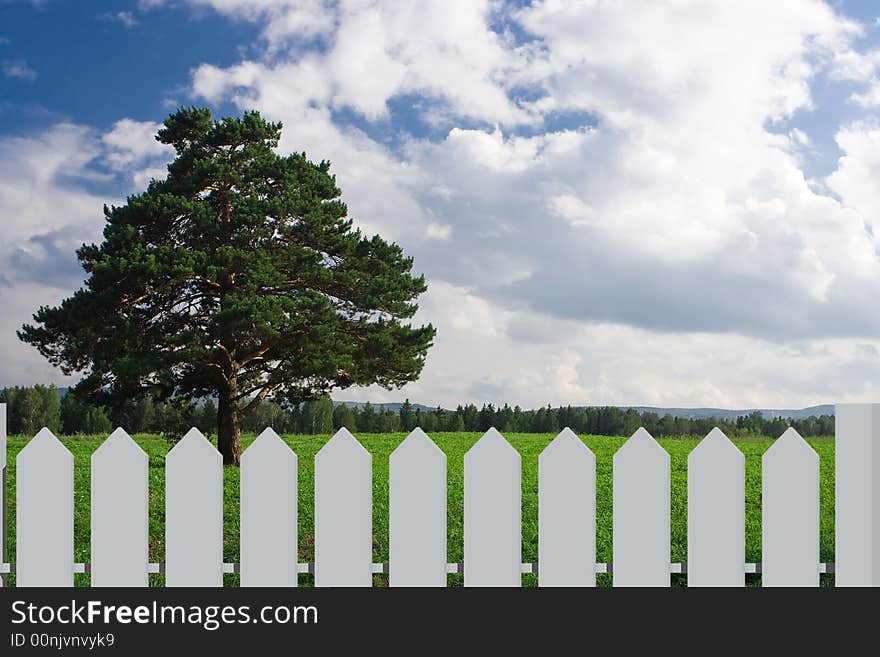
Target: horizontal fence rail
343, 521
526, 568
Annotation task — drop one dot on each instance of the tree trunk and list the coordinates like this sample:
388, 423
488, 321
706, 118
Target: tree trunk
229, 426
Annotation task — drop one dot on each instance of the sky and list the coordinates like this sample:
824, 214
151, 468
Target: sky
665, 203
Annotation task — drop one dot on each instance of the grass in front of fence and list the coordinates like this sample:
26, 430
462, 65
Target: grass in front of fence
454, 445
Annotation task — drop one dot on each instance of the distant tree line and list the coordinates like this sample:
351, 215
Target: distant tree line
31, 408
595, 420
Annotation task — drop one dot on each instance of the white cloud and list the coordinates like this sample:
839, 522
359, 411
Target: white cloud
678, 225
131, 148
51, 216
131, 143
486, 354
855, 180
22, 365
438, 231
18, 69
378, 50
665, 250
32, 181
126, 18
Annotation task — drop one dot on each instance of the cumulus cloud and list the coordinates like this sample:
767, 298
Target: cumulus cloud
131, 147
487, 354
445, 50
48, 217
680, 215
283, 20
609, 202
52, 189
855, 179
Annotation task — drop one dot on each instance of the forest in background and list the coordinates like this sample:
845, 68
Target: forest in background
31, 408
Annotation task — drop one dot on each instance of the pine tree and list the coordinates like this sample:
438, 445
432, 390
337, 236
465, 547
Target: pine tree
237, 276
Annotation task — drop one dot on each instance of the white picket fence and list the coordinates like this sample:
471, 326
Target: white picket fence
418, 513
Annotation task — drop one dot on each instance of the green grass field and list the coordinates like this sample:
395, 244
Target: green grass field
454, 445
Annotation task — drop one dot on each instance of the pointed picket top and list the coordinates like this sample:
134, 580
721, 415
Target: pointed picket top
417, 445
268, 512
641, 442
641, 512
714, 446
119, 445
193, 441
42, 444
417, 512
492, 445
120, 499
790, 445
194, 513
716, 513
565, 443
790, 513
44, 513
492, 513
268, 442
343, 442
566, 512
343, 513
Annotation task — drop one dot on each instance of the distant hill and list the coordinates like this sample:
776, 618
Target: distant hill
388, 406
726, 414
690, 413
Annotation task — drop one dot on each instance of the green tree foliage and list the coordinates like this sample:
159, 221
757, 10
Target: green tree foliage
237, 276
136, 415
605, 420
407, 417
206, 417
29, 409
343, 417
268, 415
317, 416
366, 419
78, 417
387, 422
173, 417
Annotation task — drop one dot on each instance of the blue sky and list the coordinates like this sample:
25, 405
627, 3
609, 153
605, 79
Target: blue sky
666, 204
90, 67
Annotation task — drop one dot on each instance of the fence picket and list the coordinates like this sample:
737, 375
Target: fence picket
566, 513
417, 512
44, 513
857, 495
343, 513
268, 513
120, 500
3, 490
790, 516
716, 513
492, 513
194, 513
641, 512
